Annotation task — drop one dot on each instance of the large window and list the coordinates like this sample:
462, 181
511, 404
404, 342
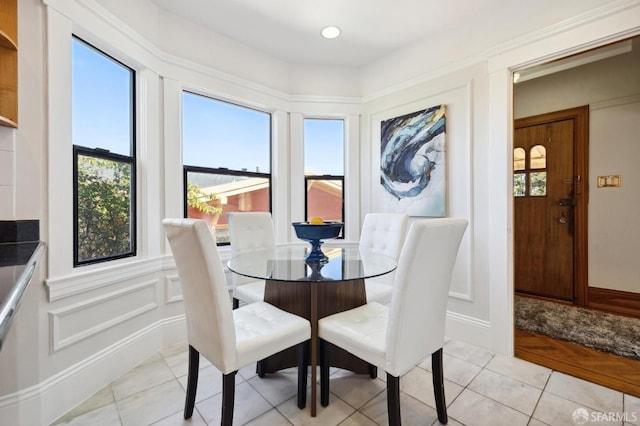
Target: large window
104, 162
324, 169
226, 152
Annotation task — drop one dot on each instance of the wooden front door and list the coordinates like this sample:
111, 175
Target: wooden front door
550, 205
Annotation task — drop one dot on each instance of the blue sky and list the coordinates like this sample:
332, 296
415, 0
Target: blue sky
220, 134
324, 146
101, 99
215, 133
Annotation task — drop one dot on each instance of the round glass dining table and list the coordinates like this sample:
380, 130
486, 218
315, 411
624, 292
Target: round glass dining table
287, 263
313, 290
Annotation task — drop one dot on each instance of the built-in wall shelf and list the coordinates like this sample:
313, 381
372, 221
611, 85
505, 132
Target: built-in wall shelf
9, 63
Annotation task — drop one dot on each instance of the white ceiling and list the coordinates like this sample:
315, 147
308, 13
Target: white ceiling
371, 29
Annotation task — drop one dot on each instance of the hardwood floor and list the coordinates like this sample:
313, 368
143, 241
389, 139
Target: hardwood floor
606, 369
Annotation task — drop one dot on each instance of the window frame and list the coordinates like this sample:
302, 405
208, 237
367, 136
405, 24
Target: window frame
327, 177
119, 158
307, 178
220, 171
527, 171
105, 154
225, 170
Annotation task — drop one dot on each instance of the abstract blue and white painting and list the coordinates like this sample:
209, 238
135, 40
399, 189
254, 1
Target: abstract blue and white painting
413, 163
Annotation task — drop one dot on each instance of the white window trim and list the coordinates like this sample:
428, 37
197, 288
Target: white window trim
351, 169
160, 79
60, 31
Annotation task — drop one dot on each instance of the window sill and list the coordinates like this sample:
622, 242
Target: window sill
83, 281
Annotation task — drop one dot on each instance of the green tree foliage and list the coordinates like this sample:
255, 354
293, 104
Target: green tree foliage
200, 200
104, 208
519, 184
538, 183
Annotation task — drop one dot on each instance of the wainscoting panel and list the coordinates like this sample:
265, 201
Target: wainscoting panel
91, 280
90, 317
459, 145
46, 401
172, 292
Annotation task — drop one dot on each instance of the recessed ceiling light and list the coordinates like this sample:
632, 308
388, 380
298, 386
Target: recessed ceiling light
330, 32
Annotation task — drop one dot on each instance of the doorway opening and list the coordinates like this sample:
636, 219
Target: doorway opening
573, 242
550, 175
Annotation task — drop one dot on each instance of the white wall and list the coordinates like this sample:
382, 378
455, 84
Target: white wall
87, 326
611, 88
614, 230
7, 173
466, 128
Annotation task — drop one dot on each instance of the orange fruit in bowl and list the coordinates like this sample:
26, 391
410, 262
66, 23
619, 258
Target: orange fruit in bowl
316, 220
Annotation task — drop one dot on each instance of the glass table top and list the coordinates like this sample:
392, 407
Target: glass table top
287, 263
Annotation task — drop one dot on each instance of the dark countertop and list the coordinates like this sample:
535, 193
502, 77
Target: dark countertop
18, 260
12, 254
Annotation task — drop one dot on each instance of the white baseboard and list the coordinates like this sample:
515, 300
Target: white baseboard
51, 398
468, 329
48, 400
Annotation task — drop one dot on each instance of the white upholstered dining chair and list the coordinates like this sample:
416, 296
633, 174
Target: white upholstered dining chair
383, 233
398, 337
229, 339
248, 231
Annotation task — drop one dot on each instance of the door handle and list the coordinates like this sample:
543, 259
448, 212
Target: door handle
568, 202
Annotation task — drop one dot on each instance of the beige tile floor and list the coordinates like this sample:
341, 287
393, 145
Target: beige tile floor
481, 389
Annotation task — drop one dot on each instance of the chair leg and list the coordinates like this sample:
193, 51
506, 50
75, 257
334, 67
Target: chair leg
393, 400
228, 397
303, 366
373, 371
438, 386
192, 382
324, 373
260, 370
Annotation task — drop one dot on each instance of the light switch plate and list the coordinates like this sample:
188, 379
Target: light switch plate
609, 181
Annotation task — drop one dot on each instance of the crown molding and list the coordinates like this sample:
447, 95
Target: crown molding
610, 103
518, 42
563, 26
162, 61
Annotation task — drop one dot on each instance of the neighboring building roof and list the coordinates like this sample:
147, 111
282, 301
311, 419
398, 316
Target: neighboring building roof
238, 187
227, 186
333, 187
204, 180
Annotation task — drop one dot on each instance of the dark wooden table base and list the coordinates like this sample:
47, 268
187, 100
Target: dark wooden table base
315, 300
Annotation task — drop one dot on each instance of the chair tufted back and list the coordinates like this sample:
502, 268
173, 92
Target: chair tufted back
420, 291
248, 231
384, 233
210, 326
251, 230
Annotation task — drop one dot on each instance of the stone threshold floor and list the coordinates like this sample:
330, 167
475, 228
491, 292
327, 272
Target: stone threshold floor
481, 389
